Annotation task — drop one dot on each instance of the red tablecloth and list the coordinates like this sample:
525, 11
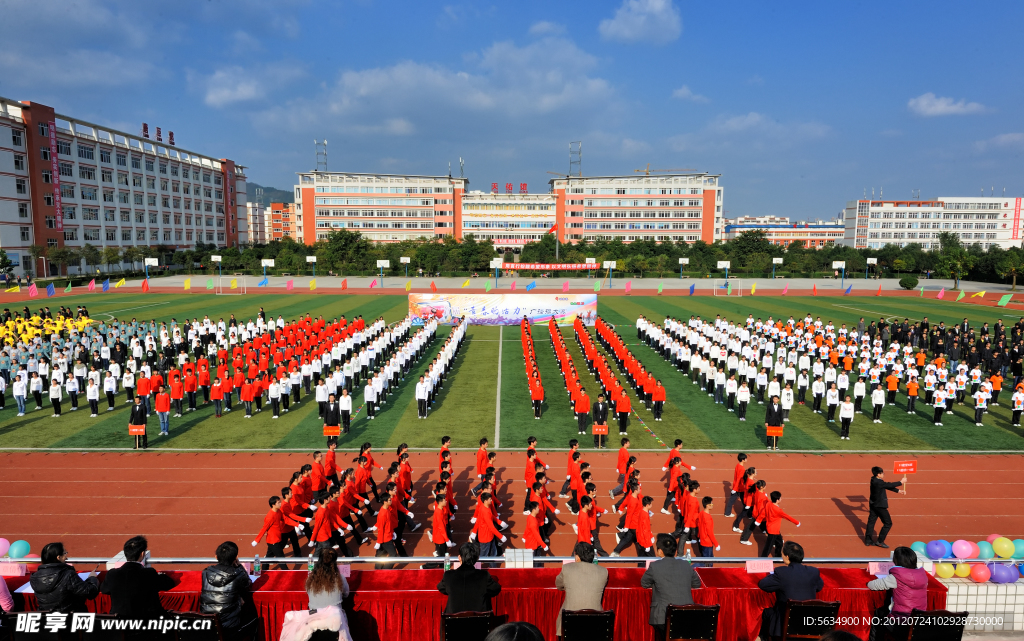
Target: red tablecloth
404, 605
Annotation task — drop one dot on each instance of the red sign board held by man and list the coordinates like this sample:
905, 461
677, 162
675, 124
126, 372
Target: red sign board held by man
905, 467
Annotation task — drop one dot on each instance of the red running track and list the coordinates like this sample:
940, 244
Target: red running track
186, 504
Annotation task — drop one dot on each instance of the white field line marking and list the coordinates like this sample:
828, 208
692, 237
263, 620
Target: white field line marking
110, 316
497, 400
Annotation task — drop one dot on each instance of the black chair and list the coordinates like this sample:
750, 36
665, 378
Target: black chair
691, 622
588, 625
195, 626
937, 625
809, 619
466, 626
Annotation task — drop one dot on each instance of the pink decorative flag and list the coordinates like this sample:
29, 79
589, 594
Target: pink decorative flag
565, 286
513, 285
785, 289
290, 285
33, 291
373, 284
92, 285
942, 292
629, 286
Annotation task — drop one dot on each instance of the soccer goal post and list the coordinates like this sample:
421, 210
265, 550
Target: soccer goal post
230, 285
730, 287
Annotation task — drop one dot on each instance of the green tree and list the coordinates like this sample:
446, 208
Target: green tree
91, 255
111, 257
133, 255
1010, 265
6, 266
60, 256
903, 264
36, 252
748, 243
954, 261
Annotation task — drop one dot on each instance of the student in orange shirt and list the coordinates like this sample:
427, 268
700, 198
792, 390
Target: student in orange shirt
912, 388
997, 386
892, 383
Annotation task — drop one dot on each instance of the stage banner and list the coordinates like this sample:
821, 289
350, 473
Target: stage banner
546, 267
504, 309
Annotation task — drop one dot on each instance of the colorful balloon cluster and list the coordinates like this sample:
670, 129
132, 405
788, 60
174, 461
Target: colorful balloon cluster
18, 550
994, 547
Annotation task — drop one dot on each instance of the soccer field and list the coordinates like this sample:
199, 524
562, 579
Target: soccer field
491, 363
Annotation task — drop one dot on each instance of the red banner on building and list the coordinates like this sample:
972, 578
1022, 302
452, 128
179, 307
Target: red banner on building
1016, 219
55, 170
548, 266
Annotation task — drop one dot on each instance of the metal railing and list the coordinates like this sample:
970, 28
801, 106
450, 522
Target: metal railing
501, 560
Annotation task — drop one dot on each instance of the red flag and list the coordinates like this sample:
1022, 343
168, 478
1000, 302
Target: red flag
553, 228
344, 284
433, 287
145, 285
879, 291
814, 291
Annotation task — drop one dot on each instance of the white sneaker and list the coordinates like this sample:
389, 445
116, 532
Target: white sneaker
90, 416
664, 511
745, 543
736, 529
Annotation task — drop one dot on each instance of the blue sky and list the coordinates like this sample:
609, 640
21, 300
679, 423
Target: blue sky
800, 106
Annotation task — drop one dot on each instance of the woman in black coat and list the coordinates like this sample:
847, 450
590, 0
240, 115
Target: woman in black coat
57, 585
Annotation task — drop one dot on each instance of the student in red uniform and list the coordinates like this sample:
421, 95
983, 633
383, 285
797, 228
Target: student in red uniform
203, 378
757, 512
582, 407
532, 538
177, 394
773, 522
749, 478
737, 483
320, 536
658, 398
273, 528
596, 512
622, 410
439, 527
621, 465
331, 462
191, 384
536, 397
573, 446
675, 470
531, 444
446, 441
584, 534
245, 395
485, 532
707, 542
385, 545
318, 477
688, 515
481, 465
673, 454
217, 395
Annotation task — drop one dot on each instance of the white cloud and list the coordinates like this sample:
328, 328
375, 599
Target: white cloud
685, 93
751, 131
1002, 141
650, 21
233, 84
505, 83
74, 68
929, 105
632, 147
545, 28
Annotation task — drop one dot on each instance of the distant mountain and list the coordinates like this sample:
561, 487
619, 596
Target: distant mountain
270, 194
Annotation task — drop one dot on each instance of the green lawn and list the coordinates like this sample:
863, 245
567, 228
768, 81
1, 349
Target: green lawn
466, 408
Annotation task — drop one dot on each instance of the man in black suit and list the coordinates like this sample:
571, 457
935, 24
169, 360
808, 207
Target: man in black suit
878, 506
600, 413
138, 417
332, 412
468, 589
773, 418
134, 589
794, 581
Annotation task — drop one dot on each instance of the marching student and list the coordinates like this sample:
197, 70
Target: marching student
748, 488
846, 413
621, 467
484, 530
573, 447
482, 460
273, 529
758, 500
773, 524
706, 542
738, 483
532, 538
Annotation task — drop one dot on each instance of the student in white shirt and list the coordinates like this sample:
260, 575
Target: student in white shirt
422, 394
1017, 403
20, 390
859, 392
743, 398
274, 393
878, 402
786, 401
92, 394
832, 401
345, 406
980, 404
36, 387
370, 399
846, 413
71, 386
939, 401
110, 387
55, 396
